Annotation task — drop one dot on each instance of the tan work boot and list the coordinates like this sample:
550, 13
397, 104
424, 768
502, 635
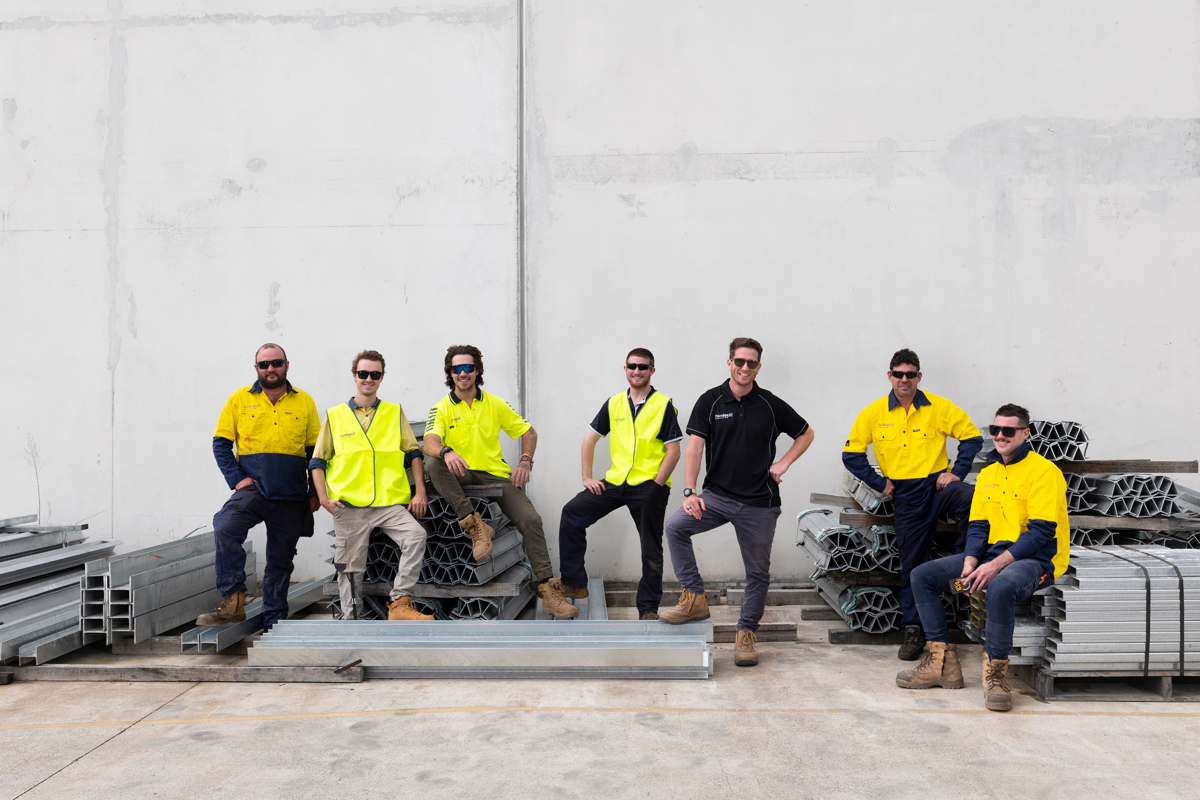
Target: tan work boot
554, 603
744, 654
569, 591
690, 607
481, 536
938, 667
404, 609
997, 696
231, 609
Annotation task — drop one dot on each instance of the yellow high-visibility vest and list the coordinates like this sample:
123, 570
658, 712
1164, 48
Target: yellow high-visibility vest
367, 467
637, 452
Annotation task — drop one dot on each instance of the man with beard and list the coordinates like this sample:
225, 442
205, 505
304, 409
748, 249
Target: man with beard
644, 449
274, 428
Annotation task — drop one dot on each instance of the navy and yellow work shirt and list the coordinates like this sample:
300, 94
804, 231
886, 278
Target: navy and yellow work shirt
740, 441
910, 445
273, 441
1021, 507
473, 431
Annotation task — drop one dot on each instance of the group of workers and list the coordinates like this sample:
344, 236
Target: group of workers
282, 462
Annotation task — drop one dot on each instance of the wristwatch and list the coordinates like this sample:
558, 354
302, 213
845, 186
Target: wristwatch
443, 451
688, 492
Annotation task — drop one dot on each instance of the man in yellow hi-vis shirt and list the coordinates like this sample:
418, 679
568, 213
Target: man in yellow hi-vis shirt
908, 429
358, 469
1018, 542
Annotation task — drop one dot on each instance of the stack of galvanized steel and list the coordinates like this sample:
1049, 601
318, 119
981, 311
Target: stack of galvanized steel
41, 570
1058, 441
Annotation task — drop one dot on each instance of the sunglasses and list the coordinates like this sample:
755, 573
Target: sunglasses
1007, 430
373, 374
275, 362
899, 374
745, 362
463, 369
637, 367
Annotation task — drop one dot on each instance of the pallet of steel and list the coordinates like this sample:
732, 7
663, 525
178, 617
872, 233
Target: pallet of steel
214, 639
505, 649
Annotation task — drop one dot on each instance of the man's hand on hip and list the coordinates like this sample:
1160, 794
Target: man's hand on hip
331, 505
243, 483
889, 491
694, 506
594, 486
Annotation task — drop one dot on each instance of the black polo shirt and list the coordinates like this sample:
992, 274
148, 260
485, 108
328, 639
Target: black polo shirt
740, 441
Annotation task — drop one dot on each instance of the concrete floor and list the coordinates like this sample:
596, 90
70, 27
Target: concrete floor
812, 720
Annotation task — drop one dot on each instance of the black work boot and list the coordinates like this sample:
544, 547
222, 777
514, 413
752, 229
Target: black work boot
914, 643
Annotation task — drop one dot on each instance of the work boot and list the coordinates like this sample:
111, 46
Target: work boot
648, 616
744, 654
939, 667
573, 592
690, 606
914, 643
997, 696
481, 536
231, 609
404, 609
554, 603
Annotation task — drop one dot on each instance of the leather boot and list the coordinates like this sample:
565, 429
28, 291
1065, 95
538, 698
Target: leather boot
939, 667
481, 536
231, 609
403, 608
690, 606
997, 695
573, 592
914, 643
554, 603
744, 654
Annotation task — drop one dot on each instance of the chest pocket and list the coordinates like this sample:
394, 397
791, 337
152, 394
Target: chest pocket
254, 429
461, 432
886, 434
291, 432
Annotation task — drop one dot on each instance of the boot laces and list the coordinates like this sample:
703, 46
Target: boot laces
747, 639
996, 678
911, 635
553, 594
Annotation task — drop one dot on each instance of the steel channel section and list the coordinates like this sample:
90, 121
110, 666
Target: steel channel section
19, 544
510, 553
515, 605
173, 615
147, 598
13, 636
178, 568
48, 648
23, 591
550, 673
11, 521
121, 567
33, 605
21, 569
300, 597
349, 630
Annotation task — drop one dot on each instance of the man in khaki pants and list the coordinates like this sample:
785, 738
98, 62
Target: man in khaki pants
358, 469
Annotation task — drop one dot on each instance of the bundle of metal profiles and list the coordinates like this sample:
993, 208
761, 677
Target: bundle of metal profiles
837, 548
1058, 441
493, 649
216, 638
871, 501
149, 591
41, 567
1132, 609
873, 609
1029, 631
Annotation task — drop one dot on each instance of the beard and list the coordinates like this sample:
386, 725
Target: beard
268, 381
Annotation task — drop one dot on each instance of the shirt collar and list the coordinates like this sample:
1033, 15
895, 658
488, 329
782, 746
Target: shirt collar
919, 399
1018, 454
629, 397
454, 398
727, 393
257, 388
354, 405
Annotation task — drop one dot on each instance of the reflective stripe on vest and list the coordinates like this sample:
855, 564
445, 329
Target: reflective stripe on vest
636, 450
367, 467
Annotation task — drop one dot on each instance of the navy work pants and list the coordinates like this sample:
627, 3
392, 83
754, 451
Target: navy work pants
647, 504
285, 523
918, 505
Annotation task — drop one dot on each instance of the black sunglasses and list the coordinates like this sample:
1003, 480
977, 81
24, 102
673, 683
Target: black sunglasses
898, 374
463, 369
745, 362
1008, 430
275, 362
373, 374
637, 367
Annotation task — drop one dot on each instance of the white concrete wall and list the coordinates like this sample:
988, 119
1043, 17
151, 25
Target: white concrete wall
1009, 189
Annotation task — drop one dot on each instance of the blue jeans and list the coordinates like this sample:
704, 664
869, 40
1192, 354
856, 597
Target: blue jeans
1016, 582
754, 527
918, 505
285, 523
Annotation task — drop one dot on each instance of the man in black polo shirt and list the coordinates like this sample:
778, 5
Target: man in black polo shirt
739, 422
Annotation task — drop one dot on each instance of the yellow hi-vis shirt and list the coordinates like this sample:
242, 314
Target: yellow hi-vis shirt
474, 431
634, 446
366, 467
1008, 496
910, 444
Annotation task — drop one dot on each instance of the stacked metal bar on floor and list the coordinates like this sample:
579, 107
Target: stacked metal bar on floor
593, 607
871, 501
1058, 441
150, 591
494, 649
872, 609
41, 569
216, 638
846, 566
1029, 631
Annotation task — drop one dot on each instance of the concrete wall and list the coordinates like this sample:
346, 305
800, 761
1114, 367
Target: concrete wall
1009, 189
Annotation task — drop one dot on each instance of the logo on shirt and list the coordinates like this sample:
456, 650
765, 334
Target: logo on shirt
722, 416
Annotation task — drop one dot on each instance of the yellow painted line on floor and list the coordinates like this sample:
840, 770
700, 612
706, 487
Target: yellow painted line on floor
585, 710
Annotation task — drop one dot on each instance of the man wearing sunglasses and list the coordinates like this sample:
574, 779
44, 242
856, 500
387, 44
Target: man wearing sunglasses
908, 429
1018, 542
644, 449
734, 427
358, 469
273, 427
462, 441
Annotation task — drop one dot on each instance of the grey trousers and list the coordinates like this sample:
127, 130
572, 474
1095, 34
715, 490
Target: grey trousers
755, 530
352, 531
513, 503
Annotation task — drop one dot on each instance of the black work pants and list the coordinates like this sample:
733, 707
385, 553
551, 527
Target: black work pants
647, 504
